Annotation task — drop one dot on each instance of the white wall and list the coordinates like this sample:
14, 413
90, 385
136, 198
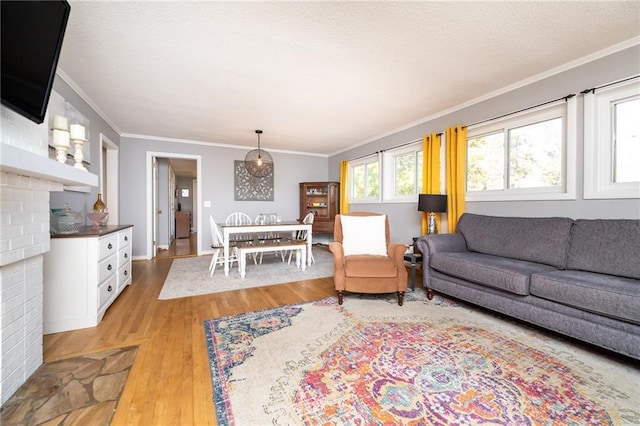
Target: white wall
186, 203
78, 201
406, 220
25, 199
24, 238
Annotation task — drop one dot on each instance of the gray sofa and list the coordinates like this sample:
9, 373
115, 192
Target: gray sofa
579, 277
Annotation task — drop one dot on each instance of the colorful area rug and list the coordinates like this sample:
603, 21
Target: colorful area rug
189, 276
371, 361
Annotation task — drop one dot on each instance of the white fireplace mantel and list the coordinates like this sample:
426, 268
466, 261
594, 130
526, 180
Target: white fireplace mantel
25, 163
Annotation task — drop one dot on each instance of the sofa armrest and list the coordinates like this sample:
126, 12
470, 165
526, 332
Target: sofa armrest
338, 264
438, 243
396, 251
429, 244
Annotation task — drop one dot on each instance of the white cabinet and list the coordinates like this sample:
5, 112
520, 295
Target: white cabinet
83, 275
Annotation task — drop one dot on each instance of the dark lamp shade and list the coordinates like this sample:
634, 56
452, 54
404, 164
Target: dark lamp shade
258, 163
432, 203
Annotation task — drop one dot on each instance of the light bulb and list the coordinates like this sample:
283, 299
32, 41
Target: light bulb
259, 162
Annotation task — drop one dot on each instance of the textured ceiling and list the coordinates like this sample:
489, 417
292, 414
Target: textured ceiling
317, 77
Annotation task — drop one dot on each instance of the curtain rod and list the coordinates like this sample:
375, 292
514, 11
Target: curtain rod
393, 147
593, 89
567, 97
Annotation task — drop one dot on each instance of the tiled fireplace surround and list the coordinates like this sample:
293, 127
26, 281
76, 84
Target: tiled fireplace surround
27, 176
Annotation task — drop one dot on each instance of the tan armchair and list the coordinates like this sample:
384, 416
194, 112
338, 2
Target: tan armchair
367, 273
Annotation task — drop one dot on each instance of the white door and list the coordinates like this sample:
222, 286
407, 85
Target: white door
154, 203
196, 203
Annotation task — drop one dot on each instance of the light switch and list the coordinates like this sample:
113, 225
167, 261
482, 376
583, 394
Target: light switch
207, 203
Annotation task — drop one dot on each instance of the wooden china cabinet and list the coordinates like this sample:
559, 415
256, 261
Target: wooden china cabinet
323, 199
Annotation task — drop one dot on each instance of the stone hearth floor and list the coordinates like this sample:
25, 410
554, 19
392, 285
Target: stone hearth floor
82, 390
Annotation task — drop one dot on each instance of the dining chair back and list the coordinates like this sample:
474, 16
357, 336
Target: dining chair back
271, 236
217, 245
238, 218
266, 219
301, 235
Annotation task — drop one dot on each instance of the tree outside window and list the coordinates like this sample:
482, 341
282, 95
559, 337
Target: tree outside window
365, 180
519, 156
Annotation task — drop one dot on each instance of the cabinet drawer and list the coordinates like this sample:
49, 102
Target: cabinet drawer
124, 255
107, 267
124, 238
124, 275
108, 245
106, 292
325, 227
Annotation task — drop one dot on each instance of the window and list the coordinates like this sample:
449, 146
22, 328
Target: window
612, 141
528, 156
364, 180
626, 141
402, 170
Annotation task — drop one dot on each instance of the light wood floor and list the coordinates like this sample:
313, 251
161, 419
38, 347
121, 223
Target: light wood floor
170, 382
180, 247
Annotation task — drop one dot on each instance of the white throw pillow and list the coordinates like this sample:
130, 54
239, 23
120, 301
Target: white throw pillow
364, 235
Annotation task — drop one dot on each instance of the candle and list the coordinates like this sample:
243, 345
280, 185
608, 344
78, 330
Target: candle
60, 122
77, 131
60, 138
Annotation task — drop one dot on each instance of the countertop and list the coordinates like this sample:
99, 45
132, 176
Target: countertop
91, 231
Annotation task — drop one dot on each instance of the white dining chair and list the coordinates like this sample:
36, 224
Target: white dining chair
268, 237
302, 236
240, 218
218, 248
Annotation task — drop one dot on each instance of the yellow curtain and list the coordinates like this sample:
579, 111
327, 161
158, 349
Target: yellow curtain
344, 189
456, 157
430, 171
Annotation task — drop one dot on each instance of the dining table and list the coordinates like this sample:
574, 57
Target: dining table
257, 229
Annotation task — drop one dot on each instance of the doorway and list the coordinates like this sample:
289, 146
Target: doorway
180, 247
173, 188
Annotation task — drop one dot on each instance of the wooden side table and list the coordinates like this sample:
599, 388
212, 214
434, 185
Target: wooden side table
414, 259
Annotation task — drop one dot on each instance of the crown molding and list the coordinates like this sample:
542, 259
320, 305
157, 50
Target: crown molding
522, 83
65, 77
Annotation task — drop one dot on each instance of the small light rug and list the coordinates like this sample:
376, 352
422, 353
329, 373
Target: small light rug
189, 276
371, 361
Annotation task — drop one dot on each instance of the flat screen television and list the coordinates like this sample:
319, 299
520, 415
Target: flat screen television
31, 40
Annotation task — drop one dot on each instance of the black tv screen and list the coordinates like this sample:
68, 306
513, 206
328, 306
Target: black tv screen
31, 38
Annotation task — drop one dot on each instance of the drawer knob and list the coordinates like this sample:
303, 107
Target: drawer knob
109, 267
109, 246
126, 255
126, 273
109, 288
126, 238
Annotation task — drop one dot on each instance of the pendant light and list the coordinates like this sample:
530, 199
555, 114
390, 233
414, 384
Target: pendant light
258, 162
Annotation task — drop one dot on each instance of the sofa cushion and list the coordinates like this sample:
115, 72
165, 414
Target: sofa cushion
608, 295
610, 246
542, 240
498, 272
364, 235
369, 266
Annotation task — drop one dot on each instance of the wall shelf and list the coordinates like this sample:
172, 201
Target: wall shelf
26, 163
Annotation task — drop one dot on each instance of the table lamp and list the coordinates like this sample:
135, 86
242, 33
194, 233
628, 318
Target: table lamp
432, 204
